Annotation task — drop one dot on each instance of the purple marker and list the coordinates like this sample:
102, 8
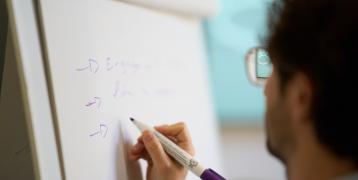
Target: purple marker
181, 156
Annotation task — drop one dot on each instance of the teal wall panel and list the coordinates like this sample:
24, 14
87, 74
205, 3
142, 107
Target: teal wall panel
239, 26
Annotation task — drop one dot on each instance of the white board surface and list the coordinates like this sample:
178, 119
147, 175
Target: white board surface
109, 61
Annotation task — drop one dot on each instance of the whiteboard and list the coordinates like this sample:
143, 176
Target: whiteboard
108, 61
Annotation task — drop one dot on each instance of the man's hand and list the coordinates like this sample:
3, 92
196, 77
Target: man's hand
160, 165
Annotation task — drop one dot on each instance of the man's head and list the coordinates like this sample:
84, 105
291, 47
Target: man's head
313, 45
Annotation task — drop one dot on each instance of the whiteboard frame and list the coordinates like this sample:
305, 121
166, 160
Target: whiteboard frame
23, 22
199, 8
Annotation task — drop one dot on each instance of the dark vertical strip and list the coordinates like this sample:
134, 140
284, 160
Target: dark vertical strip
3, 37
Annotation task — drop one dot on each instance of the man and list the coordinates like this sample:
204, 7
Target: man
310, 96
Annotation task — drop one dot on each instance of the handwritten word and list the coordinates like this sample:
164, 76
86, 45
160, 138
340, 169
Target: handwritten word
96, 100
122, 66
120, 91
92, 66
110, 64
101, 132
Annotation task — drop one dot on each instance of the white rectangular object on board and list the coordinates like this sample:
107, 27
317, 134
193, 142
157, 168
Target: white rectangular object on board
106, 61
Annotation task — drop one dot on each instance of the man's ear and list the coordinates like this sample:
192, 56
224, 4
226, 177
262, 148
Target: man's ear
300, 94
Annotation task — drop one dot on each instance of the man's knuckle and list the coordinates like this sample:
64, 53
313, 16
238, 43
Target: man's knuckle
153, 146
165, 166
181, 124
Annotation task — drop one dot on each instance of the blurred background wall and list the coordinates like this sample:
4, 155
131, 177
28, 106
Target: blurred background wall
240, 25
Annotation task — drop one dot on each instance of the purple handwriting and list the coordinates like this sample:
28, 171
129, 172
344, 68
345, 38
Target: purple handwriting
120, 91
92, 66
121, 66
95, 101
110, 64
102, 131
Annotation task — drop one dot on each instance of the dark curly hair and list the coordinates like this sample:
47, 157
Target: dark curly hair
320, 39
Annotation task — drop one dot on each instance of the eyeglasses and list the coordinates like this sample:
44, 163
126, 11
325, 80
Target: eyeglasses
258, 65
